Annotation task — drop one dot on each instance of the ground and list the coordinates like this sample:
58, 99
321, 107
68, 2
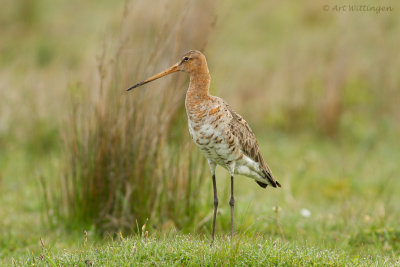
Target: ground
346, 215
319, 88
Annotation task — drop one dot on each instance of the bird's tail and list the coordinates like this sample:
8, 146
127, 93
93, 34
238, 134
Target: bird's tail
271, 180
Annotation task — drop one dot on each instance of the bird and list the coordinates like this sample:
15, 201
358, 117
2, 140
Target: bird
222, 135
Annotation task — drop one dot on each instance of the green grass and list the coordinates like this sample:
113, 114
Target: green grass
353, 206
295, 73
193, 250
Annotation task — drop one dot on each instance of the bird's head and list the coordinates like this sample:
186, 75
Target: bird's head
192, 62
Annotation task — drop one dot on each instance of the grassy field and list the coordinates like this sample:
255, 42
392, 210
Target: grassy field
351, 220
190, 250
320, 92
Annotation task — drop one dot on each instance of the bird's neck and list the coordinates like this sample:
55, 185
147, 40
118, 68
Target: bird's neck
199, 86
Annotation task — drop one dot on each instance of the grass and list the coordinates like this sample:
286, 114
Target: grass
319, 89
353, 216
127, 155
193, 250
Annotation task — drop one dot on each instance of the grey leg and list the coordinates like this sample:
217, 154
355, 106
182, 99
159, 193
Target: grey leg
215, 207
232, 204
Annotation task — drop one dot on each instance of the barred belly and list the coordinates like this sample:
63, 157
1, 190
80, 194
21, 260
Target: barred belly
210, 139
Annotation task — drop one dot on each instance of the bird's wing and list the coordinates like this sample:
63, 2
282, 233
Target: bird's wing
248, 143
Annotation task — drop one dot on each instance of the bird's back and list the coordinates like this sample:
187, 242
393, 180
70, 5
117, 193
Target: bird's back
226, 139
249, 146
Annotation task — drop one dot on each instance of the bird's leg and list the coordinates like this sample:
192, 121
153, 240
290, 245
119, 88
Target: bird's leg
215, 207
232, 204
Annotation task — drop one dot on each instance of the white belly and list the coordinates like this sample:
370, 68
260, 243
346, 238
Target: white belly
212, 143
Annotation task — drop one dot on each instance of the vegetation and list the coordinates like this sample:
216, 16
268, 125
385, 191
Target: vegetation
129, 155
84, 165
189, 250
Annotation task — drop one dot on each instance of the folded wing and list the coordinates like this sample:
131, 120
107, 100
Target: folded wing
249, 145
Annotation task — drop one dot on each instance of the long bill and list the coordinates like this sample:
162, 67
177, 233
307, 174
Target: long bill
172, 69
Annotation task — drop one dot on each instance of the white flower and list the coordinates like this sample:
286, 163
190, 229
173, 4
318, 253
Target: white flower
305, 213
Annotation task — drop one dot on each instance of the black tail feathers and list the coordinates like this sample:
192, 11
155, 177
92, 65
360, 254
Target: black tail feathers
270, 179
262, 184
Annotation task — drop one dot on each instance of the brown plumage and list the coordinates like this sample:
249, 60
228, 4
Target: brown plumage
222, 135
249, 145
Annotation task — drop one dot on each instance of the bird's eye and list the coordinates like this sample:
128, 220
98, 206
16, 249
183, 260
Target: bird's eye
185, 58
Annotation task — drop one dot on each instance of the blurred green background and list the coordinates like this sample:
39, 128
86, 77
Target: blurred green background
321, 90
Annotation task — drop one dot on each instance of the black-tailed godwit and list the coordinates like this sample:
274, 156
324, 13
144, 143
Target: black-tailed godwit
222, 135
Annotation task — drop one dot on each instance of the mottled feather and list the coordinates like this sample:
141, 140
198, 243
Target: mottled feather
249, 145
